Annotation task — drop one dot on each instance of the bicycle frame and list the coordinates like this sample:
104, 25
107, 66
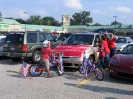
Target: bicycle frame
55, 61
87, 66
58, 62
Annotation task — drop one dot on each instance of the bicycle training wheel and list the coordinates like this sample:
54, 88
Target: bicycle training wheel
35, 71
60, 70
99, 73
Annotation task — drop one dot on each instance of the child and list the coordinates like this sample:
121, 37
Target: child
101, 51
45, 54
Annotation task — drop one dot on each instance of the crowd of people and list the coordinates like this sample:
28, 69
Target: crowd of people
106, 49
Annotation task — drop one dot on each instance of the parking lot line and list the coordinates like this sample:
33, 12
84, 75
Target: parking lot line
85, 81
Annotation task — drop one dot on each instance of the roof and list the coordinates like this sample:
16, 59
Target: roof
8, 21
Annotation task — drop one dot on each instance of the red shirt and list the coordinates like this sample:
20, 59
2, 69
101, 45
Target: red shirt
45, 52
111, 43
107, 50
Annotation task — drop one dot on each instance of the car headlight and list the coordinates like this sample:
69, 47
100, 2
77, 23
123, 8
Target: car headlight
114, 61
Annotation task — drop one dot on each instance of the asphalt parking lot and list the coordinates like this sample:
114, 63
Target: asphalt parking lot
71, 85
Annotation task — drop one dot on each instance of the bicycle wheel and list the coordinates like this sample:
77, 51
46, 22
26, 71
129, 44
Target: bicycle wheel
99, 73
35, 70
81, 70
60, 70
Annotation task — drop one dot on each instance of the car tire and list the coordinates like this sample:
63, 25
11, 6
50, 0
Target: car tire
16, 59
36, 57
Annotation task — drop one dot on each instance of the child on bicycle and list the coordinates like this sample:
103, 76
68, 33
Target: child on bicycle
101, 51
46, 51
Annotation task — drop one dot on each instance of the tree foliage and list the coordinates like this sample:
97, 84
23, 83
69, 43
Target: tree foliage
81, 18
50, 21
97, 24
21, 21
35, 20
116, 23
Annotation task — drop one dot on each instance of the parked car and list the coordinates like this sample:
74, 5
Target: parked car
104, 30
62, 37
122, 42
1, 44
121, 65
76, 45
26, 44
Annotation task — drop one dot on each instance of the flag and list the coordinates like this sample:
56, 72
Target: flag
54, 33
24, 69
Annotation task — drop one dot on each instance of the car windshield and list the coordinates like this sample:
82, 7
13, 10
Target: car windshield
127, 50
14, 38
79, 39
121, 40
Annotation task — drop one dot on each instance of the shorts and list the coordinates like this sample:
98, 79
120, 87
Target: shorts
46, 63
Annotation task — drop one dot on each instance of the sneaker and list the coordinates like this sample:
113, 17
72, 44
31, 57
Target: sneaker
49, 76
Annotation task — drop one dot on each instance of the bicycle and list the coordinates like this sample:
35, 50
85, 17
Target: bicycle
56, 60
88, 66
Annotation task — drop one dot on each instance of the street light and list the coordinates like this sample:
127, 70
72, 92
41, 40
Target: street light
115, 20
25, 19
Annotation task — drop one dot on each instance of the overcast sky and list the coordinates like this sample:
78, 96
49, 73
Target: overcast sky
102, 11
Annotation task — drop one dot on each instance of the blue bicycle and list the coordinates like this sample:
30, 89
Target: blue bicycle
88, 66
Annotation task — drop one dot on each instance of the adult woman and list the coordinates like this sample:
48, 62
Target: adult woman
111, 44
107, 50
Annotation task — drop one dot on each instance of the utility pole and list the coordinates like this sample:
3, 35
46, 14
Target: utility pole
25, 20
115, 20
115, 23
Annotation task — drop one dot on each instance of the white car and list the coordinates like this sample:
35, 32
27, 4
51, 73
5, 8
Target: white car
122, 42
1, 42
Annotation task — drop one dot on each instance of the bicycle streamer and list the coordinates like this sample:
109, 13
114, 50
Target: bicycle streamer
85, 64
59, 61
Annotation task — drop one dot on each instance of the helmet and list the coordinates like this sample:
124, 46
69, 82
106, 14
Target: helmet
46, 43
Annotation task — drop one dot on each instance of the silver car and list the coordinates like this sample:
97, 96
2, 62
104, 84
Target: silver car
122, 42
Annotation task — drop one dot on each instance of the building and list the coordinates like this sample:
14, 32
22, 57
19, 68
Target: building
8, 25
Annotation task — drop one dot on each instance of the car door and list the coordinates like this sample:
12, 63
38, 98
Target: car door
96, 41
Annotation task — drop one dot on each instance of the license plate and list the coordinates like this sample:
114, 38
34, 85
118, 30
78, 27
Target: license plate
12, 48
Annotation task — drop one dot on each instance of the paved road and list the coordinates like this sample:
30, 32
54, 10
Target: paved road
13, 86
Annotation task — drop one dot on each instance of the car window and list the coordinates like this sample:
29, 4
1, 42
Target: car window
121, 40
14, 38
128, 49
41, 37
129, 40
79, 39
2, 40
32, 38
49, 37
97, 39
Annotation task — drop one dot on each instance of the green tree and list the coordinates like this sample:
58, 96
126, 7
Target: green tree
21, 21
81, 18
50, 21
97, 24
35, 20
116, 23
